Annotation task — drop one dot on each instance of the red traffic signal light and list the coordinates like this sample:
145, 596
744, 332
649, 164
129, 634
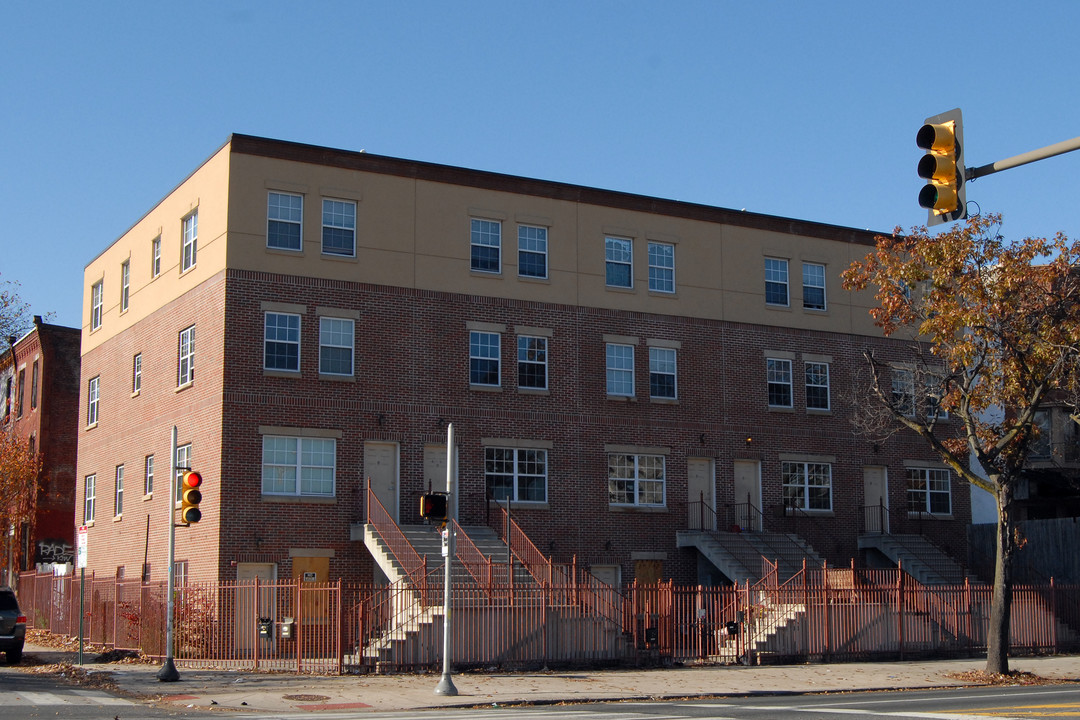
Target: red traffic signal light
433, 506
190, 497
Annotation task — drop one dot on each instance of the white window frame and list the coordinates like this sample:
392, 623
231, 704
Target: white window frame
813, 372
776, 277
136, 374
181, 463
661, 267
526, 464
533, 354
148, 477
339, 217
480, 352
618, 253
89, 498
812, 281
155, 257
801, 470
125, 285
919, 500
97, 300
779, 375
664, 362
620, 369
627, 476
332, 338
118, 492
93, 395
303, 451
185, 357
189, 248
272, 335
903, 390
485, 233
287, 210
533, 242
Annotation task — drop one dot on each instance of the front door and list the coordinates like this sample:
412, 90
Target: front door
435, 475
700, 494
252, 607
748, 495
381, 470
875, 499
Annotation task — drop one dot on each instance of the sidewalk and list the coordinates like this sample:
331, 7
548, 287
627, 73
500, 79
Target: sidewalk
255, 691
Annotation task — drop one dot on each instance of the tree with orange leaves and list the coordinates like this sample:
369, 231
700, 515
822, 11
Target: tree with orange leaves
20, 468
996, 331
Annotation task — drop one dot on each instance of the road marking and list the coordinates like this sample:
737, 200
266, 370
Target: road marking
77, 697
826, 709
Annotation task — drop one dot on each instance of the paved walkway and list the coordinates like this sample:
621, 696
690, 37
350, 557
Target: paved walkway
258, 691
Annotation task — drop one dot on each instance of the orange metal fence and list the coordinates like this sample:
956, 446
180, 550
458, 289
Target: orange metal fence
821, 614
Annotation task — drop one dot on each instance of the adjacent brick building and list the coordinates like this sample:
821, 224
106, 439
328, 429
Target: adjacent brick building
311, 320
39, 374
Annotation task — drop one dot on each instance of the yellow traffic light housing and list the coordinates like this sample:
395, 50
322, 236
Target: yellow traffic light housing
942, 167
190, 497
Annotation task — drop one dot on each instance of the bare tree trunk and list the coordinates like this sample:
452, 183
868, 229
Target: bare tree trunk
997, 649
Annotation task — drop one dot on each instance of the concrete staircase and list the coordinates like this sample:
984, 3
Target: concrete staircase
918, 557
739, 555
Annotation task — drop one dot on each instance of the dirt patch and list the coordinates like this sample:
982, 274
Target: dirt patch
306, 698
1015, 677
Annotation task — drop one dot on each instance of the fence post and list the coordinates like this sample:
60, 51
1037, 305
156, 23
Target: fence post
1053, 614
900, 610
828, 612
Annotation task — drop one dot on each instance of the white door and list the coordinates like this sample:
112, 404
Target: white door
381, 470
876, 499
251, 608
700, 494
747, 495
435, 474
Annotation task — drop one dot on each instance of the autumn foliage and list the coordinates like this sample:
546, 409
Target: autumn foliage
19, 471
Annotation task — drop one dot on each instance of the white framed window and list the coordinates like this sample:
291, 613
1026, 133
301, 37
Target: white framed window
661, 267
662, 373
813, 284
190, 241
284, 221
336, 346
125, 285
118, 495
532, 362
183, 462
516, 474
1042, 445
620, 369
484, 355
148, 478
93, 389
637, 480
298, 465
136, 374
34, 379
929, 491
281, 342
807, 485
486, 242
89, 498
903, 391
779, 381
817, 386
155, 257
532, 251
97, 300
185, 357
619, 262
339, 227
776, 282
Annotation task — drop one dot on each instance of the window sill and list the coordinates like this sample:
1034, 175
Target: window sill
136, 393
330, 377
637, 508
771, 306
533, 391
185, 271
819, 411
497, 274
299, 499
929, 515
88, 523
816, 311
812, 513
118, 518
622, 398
281, 373
339, 257
91, 426
518, 505
535, 279
664, 401
619, 288
486, 388
185, 386
781, 409
286, 251
148, 496
664, 294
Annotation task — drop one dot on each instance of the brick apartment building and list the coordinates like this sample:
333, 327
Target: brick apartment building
39, 375
311, 319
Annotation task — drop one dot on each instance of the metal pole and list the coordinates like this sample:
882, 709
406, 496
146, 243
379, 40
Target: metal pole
446, 683
168, 672
1024, 158
82, 610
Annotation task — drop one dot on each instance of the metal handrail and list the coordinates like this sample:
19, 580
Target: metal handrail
538, 565
412, 562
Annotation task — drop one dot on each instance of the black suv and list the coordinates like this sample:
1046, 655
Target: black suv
12, 626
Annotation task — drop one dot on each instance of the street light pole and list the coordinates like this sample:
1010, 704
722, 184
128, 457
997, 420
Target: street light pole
168, 672
446, 683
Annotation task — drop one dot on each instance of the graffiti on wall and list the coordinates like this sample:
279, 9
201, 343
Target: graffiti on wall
55, 551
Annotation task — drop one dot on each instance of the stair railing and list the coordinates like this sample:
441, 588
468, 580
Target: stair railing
412, 563
475, 562
538, 565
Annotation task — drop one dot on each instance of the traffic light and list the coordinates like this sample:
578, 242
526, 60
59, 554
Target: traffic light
433, 506
942, 137
190, 497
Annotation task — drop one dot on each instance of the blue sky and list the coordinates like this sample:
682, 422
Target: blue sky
800, 109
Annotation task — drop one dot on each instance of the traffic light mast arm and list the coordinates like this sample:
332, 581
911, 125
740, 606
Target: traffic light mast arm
1024, 158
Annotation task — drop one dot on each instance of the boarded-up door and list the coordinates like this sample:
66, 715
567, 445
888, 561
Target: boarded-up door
876, 499
648, 571
700, 494
748, 495
250, 607
314, 606
381, 470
